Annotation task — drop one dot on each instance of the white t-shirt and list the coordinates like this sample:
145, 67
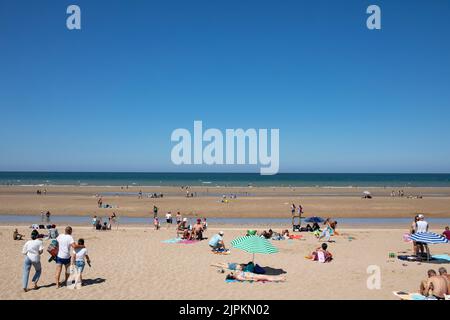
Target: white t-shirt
64, 242
80, 254
422, 226
168, 216
31, 248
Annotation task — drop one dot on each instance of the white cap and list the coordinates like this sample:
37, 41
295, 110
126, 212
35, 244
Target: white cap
184, 219
221, 233
421, 216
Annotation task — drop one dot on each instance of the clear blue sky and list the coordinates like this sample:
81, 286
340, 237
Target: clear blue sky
106, 98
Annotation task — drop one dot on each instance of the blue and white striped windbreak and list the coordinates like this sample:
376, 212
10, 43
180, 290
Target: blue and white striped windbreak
428, 237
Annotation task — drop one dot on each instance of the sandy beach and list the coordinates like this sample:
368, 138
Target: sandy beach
133, 263
250, 202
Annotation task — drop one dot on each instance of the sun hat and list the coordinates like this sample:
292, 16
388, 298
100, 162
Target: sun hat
221, 233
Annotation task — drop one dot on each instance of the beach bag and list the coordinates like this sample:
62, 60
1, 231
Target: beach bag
53, 249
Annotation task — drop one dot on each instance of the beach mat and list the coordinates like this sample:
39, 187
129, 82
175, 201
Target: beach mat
174, 240
409, 296
443, 257
188, 241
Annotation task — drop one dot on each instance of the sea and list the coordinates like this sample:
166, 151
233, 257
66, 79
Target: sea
343, 180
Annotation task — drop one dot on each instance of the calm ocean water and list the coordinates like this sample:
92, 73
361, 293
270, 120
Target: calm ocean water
225, 179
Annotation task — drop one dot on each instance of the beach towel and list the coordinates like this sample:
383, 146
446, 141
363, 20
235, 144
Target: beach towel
189, 241
295, 236
174, 240
441, 257
410, 296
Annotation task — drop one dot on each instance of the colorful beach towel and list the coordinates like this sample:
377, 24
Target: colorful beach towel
189, 241
441, 257
174, 240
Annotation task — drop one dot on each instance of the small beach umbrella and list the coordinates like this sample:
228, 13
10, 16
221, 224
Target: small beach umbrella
254, 244
428, 238
314, 220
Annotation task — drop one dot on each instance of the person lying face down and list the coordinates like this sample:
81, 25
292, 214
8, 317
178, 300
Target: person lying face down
235, 266
249, 276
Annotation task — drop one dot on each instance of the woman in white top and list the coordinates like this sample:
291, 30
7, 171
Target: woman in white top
32, 251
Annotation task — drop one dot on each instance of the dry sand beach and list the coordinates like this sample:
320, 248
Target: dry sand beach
133, 263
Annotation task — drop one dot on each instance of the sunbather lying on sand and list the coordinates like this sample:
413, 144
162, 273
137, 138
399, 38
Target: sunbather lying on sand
248, 276
235, 266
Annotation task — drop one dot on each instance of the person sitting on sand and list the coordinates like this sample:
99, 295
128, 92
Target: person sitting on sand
197, 230
443, 273
446, 232
285, 234
321, 254
435, 286
249, 276
267, 234
53, 232
216, 242
17, 235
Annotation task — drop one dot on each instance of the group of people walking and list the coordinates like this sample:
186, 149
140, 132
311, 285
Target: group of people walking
68, 253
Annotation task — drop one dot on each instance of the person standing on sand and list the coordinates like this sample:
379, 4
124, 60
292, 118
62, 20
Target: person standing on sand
65, 244
155, 211
412, 230
293, 209
47, 215
168, 219
178, 217
32, 250
421, 227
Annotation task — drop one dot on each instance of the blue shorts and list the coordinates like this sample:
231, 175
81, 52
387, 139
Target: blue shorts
80, 265
62, 261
